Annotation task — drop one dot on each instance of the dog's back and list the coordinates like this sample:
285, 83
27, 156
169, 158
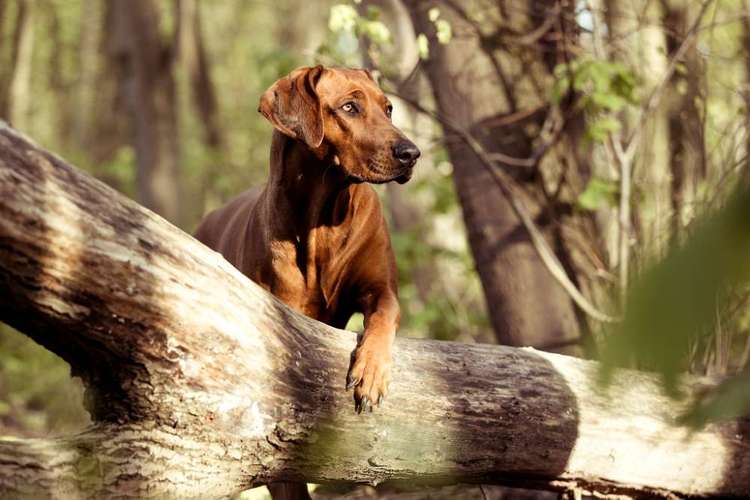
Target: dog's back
223, 229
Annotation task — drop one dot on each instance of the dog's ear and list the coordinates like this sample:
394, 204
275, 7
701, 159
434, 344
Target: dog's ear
293, 107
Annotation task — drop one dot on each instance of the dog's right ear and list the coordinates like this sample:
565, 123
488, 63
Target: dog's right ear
293, 107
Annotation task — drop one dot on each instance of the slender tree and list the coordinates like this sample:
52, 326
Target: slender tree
146, 67
684, 108
746, 57
18, 98
193, 56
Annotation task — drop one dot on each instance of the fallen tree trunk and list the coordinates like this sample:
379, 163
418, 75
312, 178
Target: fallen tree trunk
202, 385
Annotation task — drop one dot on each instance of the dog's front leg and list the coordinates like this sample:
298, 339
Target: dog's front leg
370, 372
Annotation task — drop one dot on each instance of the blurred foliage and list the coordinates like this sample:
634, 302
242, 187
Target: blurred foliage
676, 303
37, 395
604, 88
731, 399
598, 192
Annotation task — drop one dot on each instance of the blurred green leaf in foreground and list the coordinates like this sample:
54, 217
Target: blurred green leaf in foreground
675, 304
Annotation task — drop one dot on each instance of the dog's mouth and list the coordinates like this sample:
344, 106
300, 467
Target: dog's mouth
401, 177
374, 175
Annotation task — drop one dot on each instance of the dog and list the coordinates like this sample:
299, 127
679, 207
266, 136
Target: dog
315, 236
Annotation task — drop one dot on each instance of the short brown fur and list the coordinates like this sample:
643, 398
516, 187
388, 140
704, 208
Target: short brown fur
314, 235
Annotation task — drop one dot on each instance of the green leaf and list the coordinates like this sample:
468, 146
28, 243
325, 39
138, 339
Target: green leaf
560, 89
444, 32
376, 31
598, 192
598, 130
731, 399
608, 101
373, 12
423, 46
342, 18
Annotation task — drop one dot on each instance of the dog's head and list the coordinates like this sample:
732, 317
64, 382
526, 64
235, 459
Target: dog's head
341, 115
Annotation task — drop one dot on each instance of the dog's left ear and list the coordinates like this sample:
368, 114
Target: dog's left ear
293, 107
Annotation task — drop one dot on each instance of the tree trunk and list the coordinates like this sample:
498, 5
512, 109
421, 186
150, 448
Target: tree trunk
192, 52
18, 98
5, 60
526, 305
67, 114
745, 177
102, 48
686, 140
146, 64
89, 69
201, 384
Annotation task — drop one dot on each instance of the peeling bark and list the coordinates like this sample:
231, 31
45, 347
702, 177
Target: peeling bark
201, 384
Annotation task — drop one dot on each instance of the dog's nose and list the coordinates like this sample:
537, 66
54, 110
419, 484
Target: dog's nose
406, 152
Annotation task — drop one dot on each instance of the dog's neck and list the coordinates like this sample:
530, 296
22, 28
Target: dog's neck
303, 183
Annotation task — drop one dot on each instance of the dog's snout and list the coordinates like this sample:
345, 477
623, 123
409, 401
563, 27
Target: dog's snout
406, 152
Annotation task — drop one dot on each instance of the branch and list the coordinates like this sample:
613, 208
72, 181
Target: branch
201, 384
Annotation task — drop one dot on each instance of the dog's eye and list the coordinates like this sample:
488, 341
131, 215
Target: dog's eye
389, 111
350, 108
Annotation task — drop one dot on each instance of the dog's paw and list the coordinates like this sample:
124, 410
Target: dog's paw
370, 373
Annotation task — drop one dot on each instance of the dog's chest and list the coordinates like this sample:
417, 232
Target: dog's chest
309, 272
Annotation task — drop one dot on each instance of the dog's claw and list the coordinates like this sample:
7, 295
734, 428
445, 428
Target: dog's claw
353, 383
380, 399
364, 404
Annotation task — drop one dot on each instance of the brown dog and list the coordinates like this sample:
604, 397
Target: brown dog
315, 236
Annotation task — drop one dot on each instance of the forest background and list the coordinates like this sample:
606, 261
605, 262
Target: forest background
583, 187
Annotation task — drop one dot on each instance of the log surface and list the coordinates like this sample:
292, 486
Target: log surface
202, 385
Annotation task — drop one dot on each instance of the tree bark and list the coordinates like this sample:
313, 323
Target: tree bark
201, 384
687, 149
525, 304
146, 65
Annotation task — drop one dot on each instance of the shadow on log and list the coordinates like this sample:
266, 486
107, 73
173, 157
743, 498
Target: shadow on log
202, 385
